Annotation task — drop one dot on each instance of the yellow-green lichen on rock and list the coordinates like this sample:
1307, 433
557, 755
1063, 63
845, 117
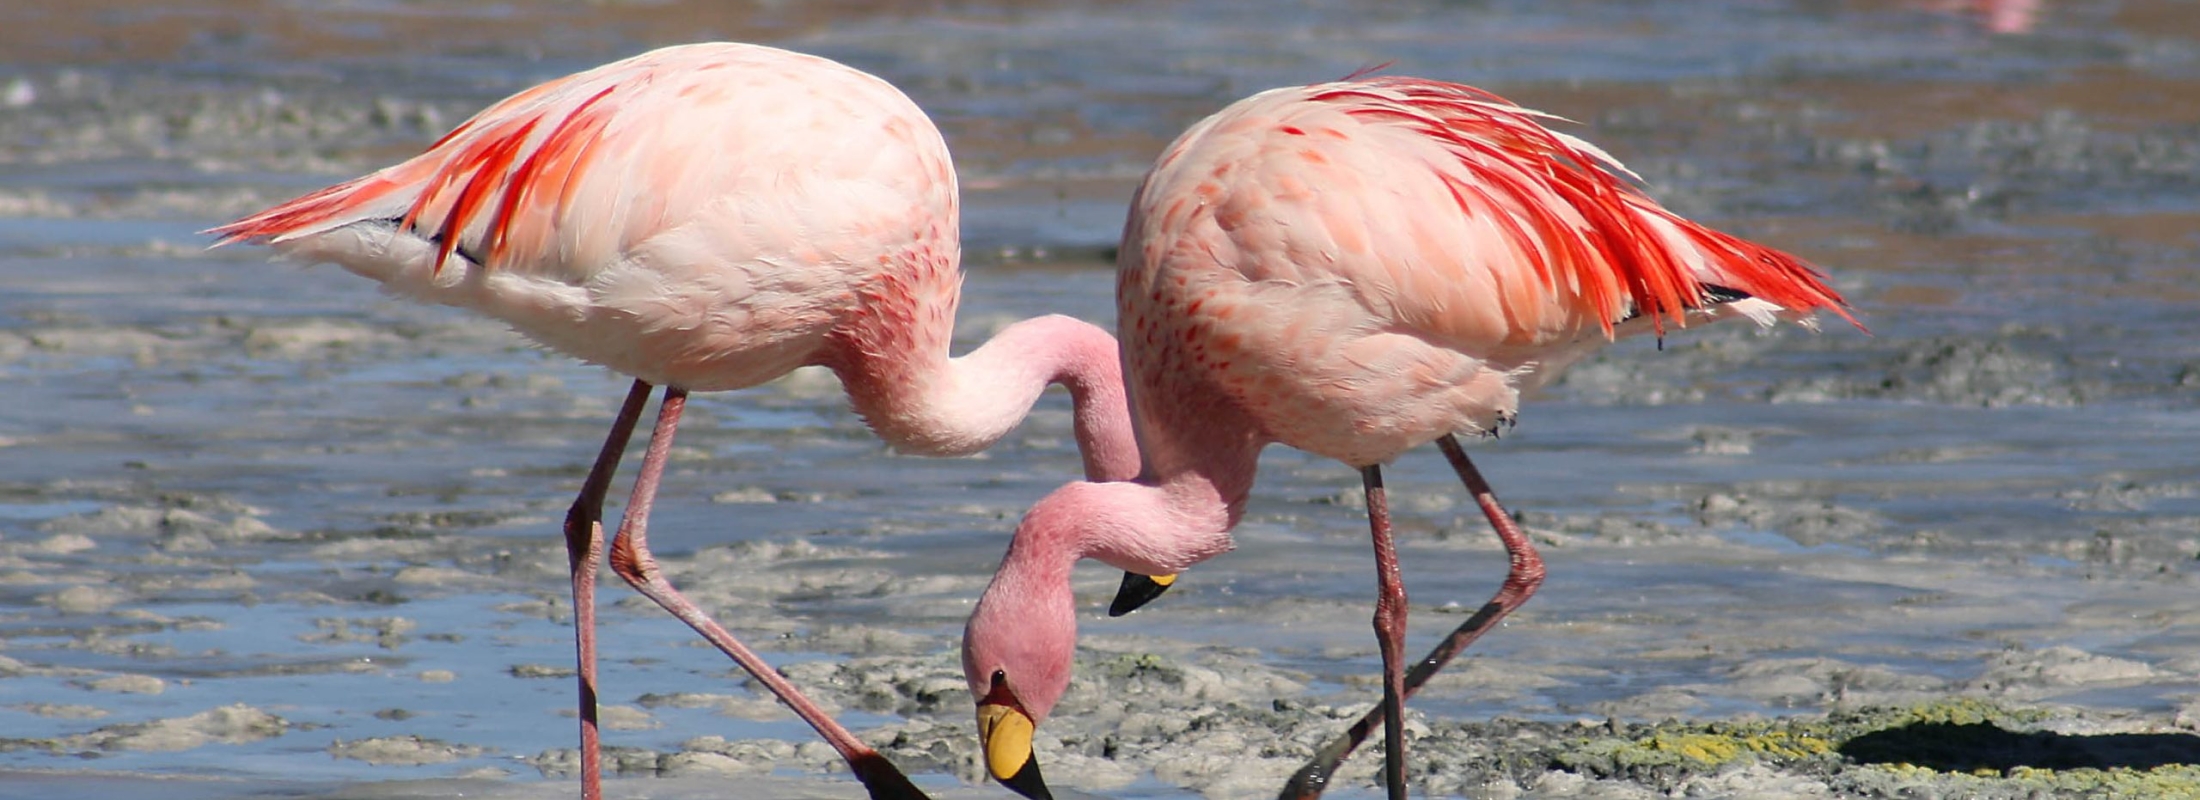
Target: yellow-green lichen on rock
1957, 747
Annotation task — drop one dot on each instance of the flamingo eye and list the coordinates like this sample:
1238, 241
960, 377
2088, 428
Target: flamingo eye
1000, 676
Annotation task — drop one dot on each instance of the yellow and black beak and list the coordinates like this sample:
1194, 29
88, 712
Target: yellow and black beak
1004, 733
1138, 590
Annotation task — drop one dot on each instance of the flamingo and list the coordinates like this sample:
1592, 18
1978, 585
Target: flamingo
708, 217
1352, 269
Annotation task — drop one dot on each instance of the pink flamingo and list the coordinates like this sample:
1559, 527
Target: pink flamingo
1996, 16
1352, 269
709, 217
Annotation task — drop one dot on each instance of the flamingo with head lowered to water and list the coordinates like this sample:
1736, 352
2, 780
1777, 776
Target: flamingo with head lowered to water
709, 217
1353, 269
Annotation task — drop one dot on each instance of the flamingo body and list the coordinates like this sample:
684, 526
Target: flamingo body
699, 216
709, 217
1353, 269
1363, 267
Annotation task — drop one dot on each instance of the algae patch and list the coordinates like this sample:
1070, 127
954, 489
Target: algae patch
1958, 747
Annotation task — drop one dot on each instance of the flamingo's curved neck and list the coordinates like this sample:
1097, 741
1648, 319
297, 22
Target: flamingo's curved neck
892, 357
1197, 476
1179, 512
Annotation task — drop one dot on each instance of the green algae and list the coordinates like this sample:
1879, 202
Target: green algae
1961, 747
1951, 711
1679, 750
1123, 666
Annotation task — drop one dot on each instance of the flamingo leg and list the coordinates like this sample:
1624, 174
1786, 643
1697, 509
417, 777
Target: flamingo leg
1524, 577
583, 549
1390, 630
631, 559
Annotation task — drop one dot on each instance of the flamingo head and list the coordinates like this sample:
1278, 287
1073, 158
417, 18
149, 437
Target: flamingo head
1018, 651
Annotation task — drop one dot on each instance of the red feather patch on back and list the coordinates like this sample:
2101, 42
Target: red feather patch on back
492, 163
1506, 148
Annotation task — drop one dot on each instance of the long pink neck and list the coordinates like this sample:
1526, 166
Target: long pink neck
892, 359
1200, 461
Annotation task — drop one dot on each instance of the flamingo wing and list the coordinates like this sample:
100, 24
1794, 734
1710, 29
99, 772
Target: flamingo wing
695, 215
1457, 215
578, 171
1406, 251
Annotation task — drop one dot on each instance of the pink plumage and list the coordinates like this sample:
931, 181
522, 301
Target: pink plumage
1408, 256
708, 217
698, 216
1354, 269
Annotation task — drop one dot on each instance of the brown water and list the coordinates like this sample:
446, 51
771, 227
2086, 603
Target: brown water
329, 517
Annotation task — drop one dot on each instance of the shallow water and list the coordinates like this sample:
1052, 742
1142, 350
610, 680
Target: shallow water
234, 483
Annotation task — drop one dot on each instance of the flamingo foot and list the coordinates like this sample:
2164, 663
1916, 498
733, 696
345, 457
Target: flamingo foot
631, 559
882, 779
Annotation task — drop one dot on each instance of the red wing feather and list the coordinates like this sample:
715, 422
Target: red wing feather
492, 163
1503, 146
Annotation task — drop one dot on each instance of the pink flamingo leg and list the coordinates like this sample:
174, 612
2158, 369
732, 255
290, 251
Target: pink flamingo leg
583, 548
631, 559
1525, 576
1390, 630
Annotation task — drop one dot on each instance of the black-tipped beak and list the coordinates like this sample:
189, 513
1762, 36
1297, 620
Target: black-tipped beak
1005, 731
1138, 590
1027, 782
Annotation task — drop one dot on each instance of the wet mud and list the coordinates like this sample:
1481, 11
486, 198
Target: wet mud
266, 533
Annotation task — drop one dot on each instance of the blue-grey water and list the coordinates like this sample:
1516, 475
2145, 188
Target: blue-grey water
228, 482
